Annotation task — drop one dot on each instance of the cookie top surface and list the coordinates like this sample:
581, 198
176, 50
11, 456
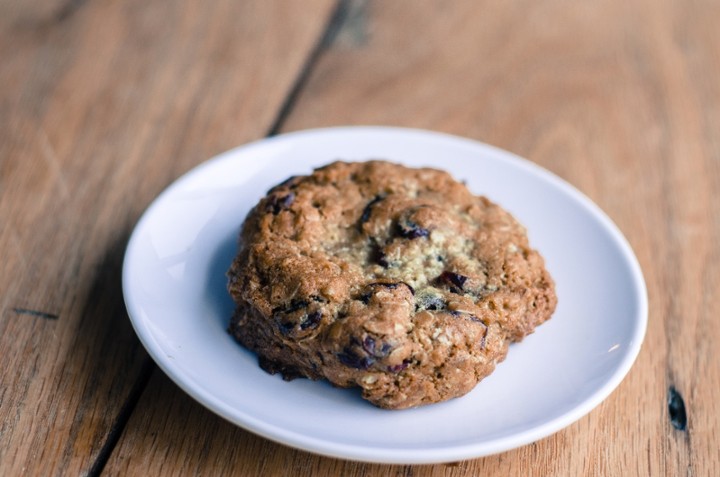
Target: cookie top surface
397, 280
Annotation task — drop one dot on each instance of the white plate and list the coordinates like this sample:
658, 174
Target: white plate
174, 285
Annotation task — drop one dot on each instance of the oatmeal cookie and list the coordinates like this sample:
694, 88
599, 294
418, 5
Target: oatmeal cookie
396, 280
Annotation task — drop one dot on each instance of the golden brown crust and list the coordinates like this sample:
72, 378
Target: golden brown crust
393, 279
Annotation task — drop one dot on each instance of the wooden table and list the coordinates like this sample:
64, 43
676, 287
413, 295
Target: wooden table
104, 103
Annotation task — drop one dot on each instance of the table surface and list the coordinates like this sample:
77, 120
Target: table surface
105, 103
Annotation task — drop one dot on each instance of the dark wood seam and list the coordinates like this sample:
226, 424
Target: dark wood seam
123, 417
334, 23
332, 26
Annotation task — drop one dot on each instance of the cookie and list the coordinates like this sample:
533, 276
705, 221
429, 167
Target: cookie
397, 280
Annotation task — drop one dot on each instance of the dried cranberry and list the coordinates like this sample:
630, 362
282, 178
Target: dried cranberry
309, 320
312, 321
278, 203
454, 280
369, 345
367, 211
399, 367
374, 349
382, 260
410, 230
350, 359
377, 255
286, 326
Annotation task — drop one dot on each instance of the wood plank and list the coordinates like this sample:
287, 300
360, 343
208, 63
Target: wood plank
102, 104
619, 98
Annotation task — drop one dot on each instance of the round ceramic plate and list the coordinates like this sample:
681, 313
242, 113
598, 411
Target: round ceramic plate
174, 285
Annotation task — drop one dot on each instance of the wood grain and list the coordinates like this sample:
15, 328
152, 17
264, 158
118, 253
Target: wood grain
619, 98
102, 104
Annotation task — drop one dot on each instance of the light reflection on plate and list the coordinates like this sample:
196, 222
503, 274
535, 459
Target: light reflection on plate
174, 286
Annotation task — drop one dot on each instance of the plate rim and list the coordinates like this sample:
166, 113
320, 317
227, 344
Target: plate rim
400, 454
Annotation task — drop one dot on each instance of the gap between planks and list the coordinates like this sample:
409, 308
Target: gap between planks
332, 26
